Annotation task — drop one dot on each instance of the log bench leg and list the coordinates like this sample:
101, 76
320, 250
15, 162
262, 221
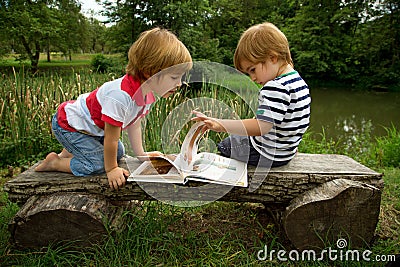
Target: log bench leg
337, 209
58, 218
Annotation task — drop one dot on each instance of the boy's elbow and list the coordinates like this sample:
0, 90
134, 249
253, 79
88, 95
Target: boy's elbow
255, 127
264, 127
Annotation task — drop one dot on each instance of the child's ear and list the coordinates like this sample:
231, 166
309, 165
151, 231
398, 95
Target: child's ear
274, 58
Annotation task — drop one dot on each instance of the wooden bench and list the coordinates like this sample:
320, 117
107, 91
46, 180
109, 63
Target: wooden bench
317, 198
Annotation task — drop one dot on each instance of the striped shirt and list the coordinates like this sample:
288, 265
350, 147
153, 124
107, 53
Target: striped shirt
284, 102
119, 102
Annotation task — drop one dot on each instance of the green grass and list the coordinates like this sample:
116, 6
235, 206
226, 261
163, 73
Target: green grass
156, 234
54, 57
59, 64
218, 234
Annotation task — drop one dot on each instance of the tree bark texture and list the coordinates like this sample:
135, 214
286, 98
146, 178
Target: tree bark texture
64, 217
332, 213
280, 185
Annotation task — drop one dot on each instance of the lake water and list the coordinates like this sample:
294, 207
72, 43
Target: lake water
345, 112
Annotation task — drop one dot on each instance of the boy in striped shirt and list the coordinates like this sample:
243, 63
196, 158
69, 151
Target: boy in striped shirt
272, 137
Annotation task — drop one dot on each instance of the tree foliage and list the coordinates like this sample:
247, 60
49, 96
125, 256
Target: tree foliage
31, 27
352, 41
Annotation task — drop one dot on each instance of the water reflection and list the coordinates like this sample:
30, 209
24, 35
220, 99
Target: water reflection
355, 131
347, 115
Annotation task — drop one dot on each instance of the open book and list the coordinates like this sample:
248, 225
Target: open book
189, 165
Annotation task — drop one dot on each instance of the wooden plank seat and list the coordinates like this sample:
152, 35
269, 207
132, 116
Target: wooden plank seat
317, 197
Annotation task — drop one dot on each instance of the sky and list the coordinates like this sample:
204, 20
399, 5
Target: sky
88, 5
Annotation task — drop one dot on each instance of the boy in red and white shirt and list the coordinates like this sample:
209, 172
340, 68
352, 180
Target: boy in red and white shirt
90, 127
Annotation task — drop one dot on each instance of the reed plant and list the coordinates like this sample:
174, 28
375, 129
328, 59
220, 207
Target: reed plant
27, 103
388, 148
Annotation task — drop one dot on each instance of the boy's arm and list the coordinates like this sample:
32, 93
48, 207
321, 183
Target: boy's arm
115, 174
135, 138
246, 127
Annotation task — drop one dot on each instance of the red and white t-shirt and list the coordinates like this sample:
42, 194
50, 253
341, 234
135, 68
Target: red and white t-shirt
119, 102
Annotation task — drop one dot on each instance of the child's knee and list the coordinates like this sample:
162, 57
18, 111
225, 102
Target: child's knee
86, 168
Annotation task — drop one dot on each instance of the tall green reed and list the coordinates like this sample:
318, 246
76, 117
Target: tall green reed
27, 103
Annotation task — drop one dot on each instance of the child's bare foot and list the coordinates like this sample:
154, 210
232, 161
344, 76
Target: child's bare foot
65, 154
47, 164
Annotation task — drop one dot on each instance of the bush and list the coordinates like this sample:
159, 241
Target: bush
102, 64
373, 152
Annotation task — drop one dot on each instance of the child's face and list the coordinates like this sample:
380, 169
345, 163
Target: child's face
167, 84
261, 72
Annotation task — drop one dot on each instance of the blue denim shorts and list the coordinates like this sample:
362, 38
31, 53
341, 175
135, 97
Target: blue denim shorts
87, 150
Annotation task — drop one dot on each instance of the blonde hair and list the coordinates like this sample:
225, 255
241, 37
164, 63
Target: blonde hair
155, 50
259, 42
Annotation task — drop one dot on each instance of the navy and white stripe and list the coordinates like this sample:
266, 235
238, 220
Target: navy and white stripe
284, 102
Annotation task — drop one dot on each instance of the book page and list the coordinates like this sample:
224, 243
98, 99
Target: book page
189, 147
159, 170
212, 168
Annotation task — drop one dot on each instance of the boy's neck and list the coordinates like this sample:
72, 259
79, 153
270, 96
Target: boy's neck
285, 69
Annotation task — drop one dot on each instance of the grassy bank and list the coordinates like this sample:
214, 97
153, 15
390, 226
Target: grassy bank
217, 234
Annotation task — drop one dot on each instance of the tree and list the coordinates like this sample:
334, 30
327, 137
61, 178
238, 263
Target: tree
210, 29
354, 41
97, 36
41, 24
377, 45
127, 20
73, 33
29, 23
320, 35
133, 17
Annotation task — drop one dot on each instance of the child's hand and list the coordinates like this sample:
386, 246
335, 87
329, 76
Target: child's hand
116, 177
209, 123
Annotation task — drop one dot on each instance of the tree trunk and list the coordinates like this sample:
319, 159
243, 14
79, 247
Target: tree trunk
63, 217
279, 187
48, 51
33, 55
341, 210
